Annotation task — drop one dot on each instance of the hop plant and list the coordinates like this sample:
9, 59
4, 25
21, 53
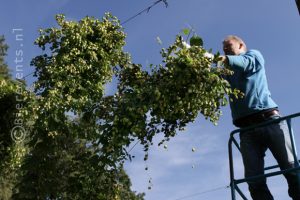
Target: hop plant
187, 83
80, 58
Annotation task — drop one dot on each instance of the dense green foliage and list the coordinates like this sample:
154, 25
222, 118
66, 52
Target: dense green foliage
44, 164
11, 152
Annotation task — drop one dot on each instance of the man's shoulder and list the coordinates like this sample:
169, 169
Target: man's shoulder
254, 51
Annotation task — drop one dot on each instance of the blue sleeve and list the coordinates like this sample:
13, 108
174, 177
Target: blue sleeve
251, 61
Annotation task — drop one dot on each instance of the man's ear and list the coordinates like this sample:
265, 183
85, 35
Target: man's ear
241, 46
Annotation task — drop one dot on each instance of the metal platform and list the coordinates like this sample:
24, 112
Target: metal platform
232, 141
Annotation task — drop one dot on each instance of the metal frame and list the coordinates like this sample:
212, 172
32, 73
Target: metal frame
234, 182
298, 5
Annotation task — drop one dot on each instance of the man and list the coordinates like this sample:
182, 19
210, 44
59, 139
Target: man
255, 107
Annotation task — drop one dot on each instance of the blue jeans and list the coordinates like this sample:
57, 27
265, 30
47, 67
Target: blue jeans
254, 144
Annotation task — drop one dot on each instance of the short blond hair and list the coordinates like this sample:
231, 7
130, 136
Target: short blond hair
236, 38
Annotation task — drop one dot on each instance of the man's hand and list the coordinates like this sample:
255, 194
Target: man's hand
224, 59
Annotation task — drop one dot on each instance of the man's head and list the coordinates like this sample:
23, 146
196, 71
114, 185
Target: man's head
233, 45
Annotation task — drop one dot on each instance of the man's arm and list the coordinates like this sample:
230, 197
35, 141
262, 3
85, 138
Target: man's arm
251, 61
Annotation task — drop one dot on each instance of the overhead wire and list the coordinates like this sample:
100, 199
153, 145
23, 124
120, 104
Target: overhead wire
133, 146
203, 192
145, 10
27, 75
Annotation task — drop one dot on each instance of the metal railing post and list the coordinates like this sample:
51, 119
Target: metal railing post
289, 123
232, 184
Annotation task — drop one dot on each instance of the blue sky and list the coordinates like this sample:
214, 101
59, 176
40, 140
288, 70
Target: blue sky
273, 27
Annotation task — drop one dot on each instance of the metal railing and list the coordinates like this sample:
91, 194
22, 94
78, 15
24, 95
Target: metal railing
234, 182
